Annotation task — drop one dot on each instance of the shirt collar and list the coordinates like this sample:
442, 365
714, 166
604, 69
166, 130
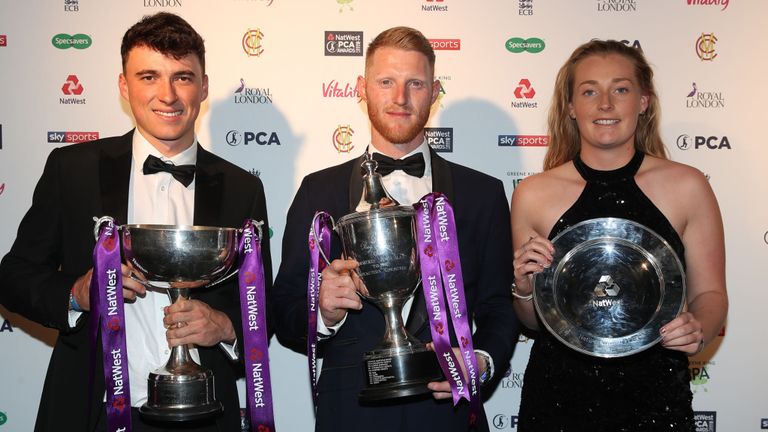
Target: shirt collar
142, 148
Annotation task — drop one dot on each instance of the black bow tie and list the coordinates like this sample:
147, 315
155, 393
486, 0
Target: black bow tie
412, 165
183, 173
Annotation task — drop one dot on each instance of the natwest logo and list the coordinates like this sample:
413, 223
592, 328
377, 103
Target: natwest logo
440, 139
235, 138
434, 6
524, 90
72, 87
705, 421
333, 89
686, 142
523, 140
71, 137
723, 3
445, 44
343, 43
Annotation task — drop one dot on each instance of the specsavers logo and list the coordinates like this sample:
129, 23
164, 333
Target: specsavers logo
78, 41
517, 45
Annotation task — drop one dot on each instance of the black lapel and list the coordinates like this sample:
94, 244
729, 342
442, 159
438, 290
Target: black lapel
114, 178
442, 181
209, 185
356, 184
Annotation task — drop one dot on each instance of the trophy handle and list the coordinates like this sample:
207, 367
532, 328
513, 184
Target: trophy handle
317, 239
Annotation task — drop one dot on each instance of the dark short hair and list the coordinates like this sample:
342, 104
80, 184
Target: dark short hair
165, 33
404, 38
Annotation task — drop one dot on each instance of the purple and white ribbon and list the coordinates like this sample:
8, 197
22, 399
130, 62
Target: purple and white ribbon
319, 238
106, 300
255, 343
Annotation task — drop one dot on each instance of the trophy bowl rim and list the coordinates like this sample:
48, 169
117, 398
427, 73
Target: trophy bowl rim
377, 213
671, 303
159, 227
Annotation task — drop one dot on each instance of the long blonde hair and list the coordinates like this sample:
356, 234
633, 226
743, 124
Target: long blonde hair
564, 139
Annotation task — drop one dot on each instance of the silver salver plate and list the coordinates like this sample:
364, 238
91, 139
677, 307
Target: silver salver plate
612, 285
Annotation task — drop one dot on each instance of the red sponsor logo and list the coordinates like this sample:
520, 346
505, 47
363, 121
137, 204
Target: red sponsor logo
72, 86
429, 251
119, 403
524, 89
249, 277
109, 243
445, 44
256, 354
464, 342
449, 265
311, 244
263, 428
3, 40
336, 90
439, 328
114, 324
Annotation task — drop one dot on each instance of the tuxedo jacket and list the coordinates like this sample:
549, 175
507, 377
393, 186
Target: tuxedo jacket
54, 246
482, 222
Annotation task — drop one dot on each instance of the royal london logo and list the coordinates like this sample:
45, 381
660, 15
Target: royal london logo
518, 45
723, 3
253, 42
72, 87
71, 5
63, 137
705, 46
343, 43
616, 5
704, 99
696, 142
512, 379
77, 41
434, 6
523, 92
440, 139
342, 139
445, 44
525, 7
705, 421
252, 95
162, 3
261, 138
334, 89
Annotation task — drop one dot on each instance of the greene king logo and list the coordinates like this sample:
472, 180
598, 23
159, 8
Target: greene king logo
252, 43
78, 41
532, 45
342, 138
3, 418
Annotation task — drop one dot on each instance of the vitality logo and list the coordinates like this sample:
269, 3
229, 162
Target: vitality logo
78, 41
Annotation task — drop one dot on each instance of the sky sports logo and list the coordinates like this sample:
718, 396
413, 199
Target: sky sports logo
3, 40
445, 44
523, 140
71, 137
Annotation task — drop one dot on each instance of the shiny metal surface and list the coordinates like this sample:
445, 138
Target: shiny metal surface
612, 285
179, 258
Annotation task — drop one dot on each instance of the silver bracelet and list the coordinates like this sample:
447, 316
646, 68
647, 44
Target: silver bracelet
521, 297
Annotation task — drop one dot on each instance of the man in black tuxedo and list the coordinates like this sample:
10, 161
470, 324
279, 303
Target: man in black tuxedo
155, 174
398, 88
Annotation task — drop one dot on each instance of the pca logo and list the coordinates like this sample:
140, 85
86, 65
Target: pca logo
78, 41
517, 45
616, 5
440, 139
342, 139
252, 43
343, 43
503, 421
686, 142
704, 421
235, 138
705, 46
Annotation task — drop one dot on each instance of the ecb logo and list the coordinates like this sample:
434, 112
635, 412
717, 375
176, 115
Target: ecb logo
342, 139
235, 138
685, 142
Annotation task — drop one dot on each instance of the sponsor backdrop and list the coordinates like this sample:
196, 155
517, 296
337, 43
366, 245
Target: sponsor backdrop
283, 103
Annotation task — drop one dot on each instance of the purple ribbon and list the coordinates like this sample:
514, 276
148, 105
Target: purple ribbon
445, 248
106, 299
252, 309
320, 231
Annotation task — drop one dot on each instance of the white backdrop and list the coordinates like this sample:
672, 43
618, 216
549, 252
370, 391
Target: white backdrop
300, 113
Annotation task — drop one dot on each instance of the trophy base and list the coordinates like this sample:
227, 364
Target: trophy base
396, 376
180, 398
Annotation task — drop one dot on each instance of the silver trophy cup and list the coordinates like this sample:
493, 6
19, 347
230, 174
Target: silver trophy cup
178, 259
382, 239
